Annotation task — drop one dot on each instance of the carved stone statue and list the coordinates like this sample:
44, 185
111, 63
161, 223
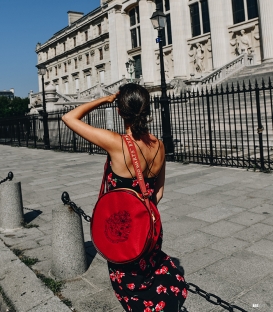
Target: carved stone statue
244, 43
198, 58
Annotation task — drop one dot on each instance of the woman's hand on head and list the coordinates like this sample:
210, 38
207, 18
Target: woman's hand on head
112, 97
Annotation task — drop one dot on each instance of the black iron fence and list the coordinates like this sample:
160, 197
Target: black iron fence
227, 126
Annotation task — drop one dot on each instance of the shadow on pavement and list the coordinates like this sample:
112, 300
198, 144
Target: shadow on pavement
31, 215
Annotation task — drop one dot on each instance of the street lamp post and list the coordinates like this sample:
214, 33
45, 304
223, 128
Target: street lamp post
42, 72
130, 66
158, 20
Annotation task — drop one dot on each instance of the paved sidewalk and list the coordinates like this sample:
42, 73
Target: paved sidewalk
218, 224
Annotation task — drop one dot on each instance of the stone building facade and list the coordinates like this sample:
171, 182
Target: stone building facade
87, 58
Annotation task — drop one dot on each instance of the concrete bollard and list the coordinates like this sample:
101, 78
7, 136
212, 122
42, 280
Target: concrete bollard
68, 252
11, 205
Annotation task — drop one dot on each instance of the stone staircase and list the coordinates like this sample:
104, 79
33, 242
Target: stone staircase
251, 74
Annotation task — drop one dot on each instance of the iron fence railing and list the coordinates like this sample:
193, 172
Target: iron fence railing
228, 126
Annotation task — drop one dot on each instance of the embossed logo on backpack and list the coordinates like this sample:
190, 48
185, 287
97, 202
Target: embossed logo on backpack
118, 227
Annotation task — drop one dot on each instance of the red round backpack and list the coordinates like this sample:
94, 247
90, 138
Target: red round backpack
125, 225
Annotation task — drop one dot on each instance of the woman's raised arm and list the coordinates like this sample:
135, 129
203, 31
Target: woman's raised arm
101, 137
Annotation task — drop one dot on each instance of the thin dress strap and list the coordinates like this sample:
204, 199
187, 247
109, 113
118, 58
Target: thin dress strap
124, 157
149, 166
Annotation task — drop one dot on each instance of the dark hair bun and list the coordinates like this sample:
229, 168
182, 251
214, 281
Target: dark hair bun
134, 106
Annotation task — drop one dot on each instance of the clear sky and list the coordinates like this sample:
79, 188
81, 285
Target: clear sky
23, 23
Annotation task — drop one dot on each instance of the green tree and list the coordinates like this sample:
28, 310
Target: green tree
15, 107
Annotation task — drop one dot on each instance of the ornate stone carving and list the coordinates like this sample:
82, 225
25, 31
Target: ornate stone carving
106, 47
197, 54
69, 62
80, 57
92, 52
59, 65
241, 43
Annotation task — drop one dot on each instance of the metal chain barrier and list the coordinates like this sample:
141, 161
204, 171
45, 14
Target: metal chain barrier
9, 177
190, 286
213, 298
66, 200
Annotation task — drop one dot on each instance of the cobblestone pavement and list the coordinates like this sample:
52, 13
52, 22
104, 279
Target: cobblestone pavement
218, 225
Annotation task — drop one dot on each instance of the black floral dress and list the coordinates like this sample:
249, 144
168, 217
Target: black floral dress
153, 283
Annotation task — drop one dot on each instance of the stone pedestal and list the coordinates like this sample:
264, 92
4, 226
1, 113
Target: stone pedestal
11, 205
68, 252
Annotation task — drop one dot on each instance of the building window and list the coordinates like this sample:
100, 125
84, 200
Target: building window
65, 67
64, 46
75, 42
86, 35
164, 6
76, 63
88, 80
87, 59
47, 74
55, 51
56, 71
244, 10
47, 55
199, 12
99, 29
101, 54
138, 67
135, 27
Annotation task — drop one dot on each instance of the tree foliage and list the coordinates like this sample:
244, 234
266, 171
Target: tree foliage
15, 107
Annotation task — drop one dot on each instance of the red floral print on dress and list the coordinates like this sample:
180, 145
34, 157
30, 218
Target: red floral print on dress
161, 289
142, 286
131, 286
118, 296
172, 264
175, 290
126, 299
148, 310
110, 180
113, 276
142, 264
134, 298
160, 306
163, 270
135, 183
148, 303
117, 276
152, 261
184, 293
149, 191
179, 278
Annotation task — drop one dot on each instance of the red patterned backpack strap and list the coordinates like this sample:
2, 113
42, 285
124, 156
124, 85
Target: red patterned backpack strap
106, 165
137, 168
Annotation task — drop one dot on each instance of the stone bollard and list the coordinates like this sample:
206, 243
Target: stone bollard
11, 205
68, 252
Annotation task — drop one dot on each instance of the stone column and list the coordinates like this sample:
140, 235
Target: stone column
122, 45
180, 24
118, 53
266, 17
148, 36
220, 17
113, 45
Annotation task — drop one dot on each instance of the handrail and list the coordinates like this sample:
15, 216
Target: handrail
224, 71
